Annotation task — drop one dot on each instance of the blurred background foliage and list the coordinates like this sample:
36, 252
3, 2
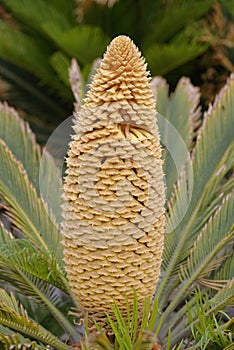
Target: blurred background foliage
39, 38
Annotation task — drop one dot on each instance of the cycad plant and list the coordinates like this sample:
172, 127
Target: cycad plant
38, 306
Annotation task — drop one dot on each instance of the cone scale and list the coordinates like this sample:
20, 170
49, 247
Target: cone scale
113, 227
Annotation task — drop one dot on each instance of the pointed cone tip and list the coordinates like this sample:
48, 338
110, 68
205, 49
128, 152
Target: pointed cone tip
121, 51
122, 75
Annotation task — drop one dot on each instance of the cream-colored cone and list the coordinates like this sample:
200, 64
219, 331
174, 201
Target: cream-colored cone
113, 228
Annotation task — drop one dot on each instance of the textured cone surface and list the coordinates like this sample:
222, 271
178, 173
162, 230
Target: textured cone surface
114, 192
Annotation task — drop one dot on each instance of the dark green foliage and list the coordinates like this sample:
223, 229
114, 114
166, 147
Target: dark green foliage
38, 43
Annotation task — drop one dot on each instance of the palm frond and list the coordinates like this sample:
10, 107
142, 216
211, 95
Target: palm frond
38, 290
24, 145
25, 209
15, 317
5, 236
215, 138
205, 251
207, 245
41, 314
222, 299
61, 63
204, 307
187, 245
176, 125
174, 17
74, 42
35, 163
136, 330
40, 10
25, 93
11, 340
29, 55
21, 254
225, 272
163, 58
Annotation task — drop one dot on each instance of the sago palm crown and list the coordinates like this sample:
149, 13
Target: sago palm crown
113, 229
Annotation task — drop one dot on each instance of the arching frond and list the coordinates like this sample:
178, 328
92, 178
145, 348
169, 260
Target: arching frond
26, 150
40, 10
163, 58
209, 307
214, 140
74, 41
26, 210
225, 271
15, 317
207, 245
175, 16
41, 292
191, 248
11, 340
24, 145
5, 235
22, 255
25, 93
176, 124
28, 55
60, 63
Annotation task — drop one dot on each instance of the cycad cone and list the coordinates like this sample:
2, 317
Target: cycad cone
114, 192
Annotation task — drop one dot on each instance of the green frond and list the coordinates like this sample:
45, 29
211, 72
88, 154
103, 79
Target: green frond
192, 244
213, 190
214, 139
225, 271
15, 317
25, 93
207, 245
41, 11
208, 306
24, 145
222, 299
128, 332
41, 314
39, 291
35, 163
19, 254
14, 340
74, 42
163, 58
176, 123
35, 274
206, 327
40, 166
32, 56
213, 197
5, 236
175, 16
26, 284
25, 209
61, 63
